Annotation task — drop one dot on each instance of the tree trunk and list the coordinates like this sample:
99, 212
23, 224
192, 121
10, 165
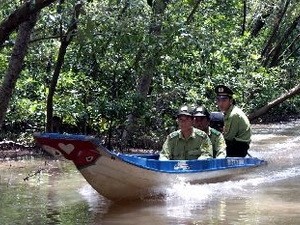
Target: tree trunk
263, 110
66, 40
191, 15
277, 53
244, 17
151, 62
19, 16
274, 36
15, 64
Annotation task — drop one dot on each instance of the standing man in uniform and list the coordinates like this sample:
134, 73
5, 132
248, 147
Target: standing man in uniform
202, 122
237, 130
188, 142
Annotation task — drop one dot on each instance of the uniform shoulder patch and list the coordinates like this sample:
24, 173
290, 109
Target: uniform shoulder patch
215, 132
174, 134
199, 133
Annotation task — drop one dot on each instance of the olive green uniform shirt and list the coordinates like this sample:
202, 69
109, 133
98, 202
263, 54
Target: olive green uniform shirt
196, 146
236, 125
218, 143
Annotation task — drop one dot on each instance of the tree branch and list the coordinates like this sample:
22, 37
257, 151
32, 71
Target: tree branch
19, 16
282, 98
65, 41
266, 51
244, 17
274, 53
15, 64
190, 17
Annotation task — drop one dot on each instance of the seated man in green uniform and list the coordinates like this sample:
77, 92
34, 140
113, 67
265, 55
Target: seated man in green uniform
237, 130
188, 142
202, 122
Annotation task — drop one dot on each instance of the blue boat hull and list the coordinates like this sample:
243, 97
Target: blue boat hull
119, 176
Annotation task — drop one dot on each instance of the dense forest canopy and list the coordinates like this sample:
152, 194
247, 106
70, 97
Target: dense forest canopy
121, 68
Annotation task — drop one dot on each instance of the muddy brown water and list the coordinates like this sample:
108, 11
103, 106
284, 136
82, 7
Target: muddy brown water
36, 191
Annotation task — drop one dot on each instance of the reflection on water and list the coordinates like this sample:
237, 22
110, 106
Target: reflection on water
48, 197
55, 192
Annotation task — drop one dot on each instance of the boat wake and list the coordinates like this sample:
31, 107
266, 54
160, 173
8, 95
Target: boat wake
250, 183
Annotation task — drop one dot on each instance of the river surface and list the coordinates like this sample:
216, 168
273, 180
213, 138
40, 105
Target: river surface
53, 192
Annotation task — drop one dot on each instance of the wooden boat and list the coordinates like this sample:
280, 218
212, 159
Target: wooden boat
119, 176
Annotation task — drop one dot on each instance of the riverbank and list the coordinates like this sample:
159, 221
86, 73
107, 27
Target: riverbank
10, 150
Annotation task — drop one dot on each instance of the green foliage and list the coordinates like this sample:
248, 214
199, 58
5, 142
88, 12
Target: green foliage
96, 90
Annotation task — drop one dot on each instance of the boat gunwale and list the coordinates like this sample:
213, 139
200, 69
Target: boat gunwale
121, 157
137, 159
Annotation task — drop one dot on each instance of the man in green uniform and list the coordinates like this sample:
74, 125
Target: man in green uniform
202, 122
237, 130
188, 142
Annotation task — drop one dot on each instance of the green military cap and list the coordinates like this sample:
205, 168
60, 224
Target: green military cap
223, 91
185, 110
201, 111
